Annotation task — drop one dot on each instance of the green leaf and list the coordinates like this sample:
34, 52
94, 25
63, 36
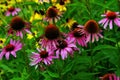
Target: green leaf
100, 47
53, 74
98, 57
110, 39
67, 68
84, 76
6, 68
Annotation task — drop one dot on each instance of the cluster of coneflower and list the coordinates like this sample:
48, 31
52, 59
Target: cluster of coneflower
54, 43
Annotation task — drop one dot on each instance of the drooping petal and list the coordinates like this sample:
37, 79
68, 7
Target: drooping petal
105, 25
110, 24
7, 55
13, 53
2, 54
7, 13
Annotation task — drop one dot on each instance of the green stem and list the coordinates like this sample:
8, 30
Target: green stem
25, 57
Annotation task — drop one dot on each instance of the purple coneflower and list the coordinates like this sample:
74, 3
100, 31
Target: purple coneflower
43, 56
19, 25
78, 35
65, 47
92, 31
109, 76
52, 14
11, 48
51, 35
13, 11
110, 17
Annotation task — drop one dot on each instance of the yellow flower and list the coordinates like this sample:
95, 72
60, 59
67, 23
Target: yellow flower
30, 36
2, 41
53, 1
61, 7
70, 22
66, 1
37, 45
41, 1
1, 22
37, 16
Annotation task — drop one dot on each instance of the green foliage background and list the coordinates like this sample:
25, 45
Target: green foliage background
92, 62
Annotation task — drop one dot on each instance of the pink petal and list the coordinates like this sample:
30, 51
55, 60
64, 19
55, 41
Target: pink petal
93, 38
88, 38
117, 22
13, 53
7, 13
96, 37
102, 21
110, 24
28, 31
71, 45
1, 55
7, 55
17, 9
14, 13
105, 25
57, 53
45, 61
21, 35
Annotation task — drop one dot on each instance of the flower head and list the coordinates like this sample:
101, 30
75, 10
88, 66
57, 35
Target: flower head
43, 56
78, 35
110, 17
110, 76
18, 25
52, 14
11, 48
92, 31
61, 6
65, 47
13, 11
51, 36
2, 41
